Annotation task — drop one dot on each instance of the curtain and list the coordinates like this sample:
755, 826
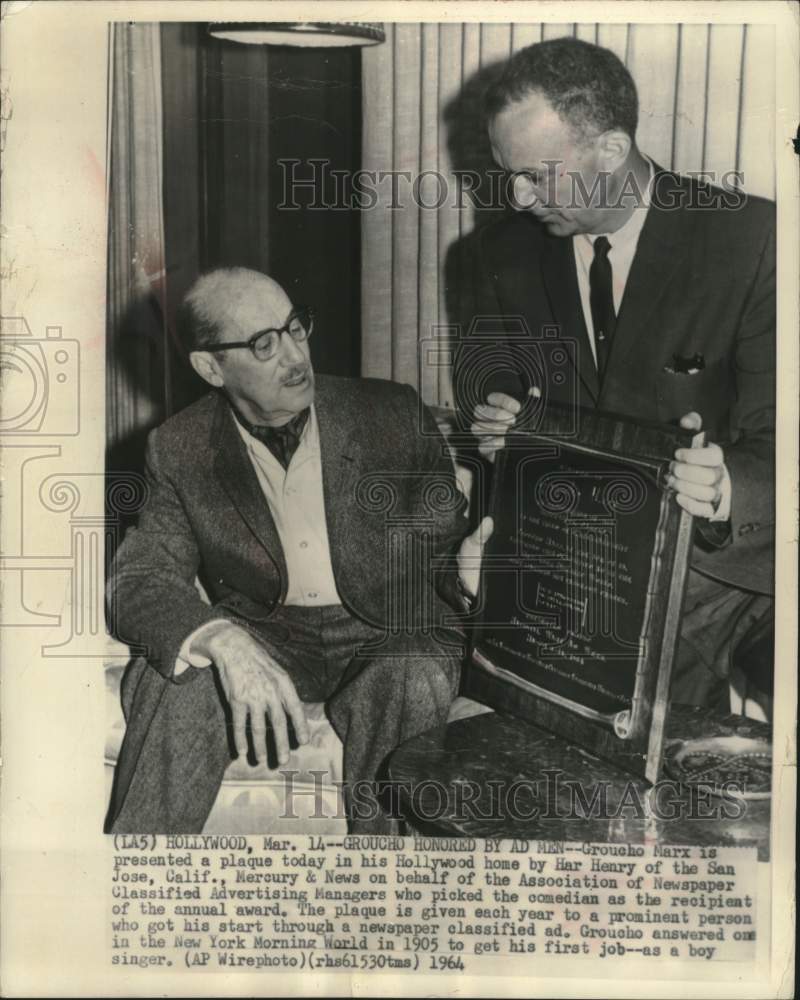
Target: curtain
138, 383
706, 97
241, 122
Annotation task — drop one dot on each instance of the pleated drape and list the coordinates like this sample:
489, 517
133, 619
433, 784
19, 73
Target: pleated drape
137, 385
706, 104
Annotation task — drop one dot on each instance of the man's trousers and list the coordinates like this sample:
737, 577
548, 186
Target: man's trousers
379, 688
716, 617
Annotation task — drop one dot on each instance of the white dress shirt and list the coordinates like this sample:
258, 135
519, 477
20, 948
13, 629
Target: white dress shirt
297, 504
623, 249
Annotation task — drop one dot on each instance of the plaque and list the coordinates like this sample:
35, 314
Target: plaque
582, 583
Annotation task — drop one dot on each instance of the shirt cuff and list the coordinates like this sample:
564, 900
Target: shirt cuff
468, 600
723, 511
186, 658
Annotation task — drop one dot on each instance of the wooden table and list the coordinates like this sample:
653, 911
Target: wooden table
496, 776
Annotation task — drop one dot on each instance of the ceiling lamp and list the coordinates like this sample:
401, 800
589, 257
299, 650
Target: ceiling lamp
307, 34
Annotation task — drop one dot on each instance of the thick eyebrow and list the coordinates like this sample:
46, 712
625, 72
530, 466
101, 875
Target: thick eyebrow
259, 333
273, 329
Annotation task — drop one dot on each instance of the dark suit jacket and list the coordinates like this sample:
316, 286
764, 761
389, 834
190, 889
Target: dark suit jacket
382, 459
702, 281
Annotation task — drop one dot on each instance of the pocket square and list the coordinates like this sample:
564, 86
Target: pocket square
686, 366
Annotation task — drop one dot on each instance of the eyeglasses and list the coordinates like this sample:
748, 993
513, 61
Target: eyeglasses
265, 343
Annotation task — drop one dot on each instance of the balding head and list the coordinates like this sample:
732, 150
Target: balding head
218, 305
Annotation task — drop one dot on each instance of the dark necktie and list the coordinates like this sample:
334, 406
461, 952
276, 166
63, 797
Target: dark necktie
601, 297
281, 441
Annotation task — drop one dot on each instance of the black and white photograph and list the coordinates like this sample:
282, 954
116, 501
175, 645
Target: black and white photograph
408, 534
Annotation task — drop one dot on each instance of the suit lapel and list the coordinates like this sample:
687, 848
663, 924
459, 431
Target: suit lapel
657, 258
520, 291
560, 277
235, 472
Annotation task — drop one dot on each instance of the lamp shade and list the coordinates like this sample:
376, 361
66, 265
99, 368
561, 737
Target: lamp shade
307, 34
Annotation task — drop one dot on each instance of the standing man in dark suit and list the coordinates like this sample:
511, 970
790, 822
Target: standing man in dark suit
666, 289
279, 490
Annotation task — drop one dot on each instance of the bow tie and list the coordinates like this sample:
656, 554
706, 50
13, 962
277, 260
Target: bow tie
281, 441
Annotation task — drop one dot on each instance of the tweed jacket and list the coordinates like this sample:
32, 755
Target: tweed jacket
387, 481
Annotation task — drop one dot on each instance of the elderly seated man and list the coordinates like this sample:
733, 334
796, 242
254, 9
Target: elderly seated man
280, 490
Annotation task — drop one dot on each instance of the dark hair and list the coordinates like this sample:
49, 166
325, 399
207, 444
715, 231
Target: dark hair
204, 313
200, 318
194, 326
588, 86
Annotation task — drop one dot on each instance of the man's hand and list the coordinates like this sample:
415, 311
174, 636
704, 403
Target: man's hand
492, 420
698, 474
470, 555
254, 685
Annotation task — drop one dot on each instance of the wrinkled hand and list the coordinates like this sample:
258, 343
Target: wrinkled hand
493, 419
255, 686
697, 474
470, 555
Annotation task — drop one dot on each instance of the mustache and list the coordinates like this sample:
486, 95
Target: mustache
296, 371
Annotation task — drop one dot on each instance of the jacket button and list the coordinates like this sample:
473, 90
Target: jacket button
746, 529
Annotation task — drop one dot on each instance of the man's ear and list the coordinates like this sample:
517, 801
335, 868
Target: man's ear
613, 148
207, 367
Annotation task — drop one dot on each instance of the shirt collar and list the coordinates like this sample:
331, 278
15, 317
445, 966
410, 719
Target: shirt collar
309, 441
